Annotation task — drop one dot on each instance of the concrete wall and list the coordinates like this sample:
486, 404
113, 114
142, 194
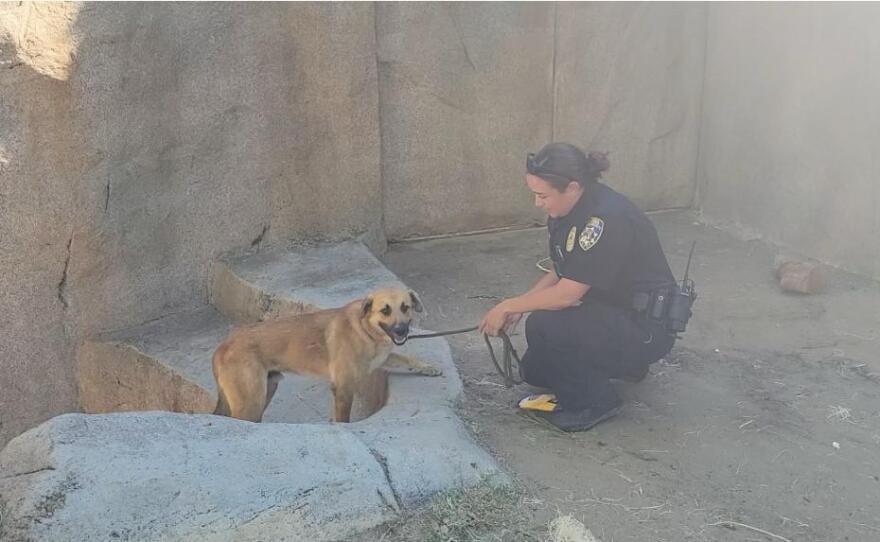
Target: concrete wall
467, 89
35, 206
139, 141
790, 133
629, 80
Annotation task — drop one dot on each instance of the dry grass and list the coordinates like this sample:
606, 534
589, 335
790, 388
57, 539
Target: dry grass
483, 513
489, 512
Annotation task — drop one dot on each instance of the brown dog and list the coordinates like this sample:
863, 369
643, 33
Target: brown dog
345, 345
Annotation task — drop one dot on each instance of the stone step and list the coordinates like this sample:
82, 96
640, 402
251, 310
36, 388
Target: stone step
260, 285
166, 364
161, 365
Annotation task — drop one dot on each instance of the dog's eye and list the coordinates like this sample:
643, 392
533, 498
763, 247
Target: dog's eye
403, 308
386, 310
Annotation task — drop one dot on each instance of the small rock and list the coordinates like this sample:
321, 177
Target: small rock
798, 276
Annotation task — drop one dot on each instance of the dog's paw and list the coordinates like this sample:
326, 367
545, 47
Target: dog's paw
431, 371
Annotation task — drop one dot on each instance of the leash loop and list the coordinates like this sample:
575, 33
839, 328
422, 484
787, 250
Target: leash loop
508, 354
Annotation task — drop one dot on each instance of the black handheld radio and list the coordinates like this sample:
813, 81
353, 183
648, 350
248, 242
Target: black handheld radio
683, 297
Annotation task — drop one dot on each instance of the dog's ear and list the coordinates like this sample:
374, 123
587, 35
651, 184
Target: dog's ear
416, 302
366, 306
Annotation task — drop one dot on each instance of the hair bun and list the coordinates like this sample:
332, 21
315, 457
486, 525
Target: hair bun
598, 162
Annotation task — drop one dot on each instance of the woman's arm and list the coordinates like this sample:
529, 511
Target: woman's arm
549, 279
563, 293
546, 281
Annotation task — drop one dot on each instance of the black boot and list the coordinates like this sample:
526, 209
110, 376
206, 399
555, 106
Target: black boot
581, 420
635, 374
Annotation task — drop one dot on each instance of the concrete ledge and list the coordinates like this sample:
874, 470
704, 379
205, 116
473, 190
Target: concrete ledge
428, 452
261, 285
410, 394
165, 476
162, 365
166, 364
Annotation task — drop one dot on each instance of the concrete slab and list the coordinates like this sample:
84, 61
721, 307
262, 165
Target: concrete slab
410, 394
164, 476
184, 342
162, 365
427, 452
263, 284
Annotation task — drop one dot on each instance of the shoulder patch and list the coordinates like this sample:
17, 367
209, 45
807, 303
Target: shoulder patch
569, 242
591, 233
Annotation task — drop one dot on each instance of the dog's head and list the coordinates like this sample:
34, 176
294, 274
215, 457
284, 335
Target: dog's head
390, 311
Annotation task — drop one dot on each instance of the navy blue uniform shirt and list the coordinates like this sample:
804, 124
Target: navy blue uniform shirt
608, 243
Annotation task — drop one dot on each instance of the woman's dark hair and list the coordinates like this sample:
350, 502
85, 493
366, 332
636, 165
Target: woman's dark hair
561, 163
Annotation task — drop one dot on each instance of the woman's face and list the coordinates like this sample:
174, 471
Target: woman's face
551, 200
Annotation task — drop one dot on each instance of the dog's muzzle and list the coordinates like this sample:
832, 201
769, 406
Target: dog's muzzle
398, 333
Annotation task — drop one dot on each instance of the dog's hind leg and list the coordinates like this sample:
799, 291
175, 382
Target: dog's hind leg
243, 385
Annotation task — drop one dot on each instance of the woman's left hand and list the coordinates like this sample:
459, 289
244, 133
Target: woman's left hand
494, 320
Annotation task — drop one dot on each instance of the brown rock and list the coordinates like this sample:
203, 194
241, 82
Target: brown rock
803, 277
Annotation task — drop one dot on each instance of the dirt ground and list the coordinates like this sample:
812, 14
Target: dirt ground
765, 417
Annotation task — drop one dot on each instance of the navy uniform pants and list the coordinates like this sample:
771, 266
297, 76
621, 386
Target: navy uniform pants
575, 351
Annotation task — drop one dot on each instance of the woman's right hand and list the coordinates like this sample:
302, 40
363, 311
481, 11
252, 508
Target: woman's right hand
511, 322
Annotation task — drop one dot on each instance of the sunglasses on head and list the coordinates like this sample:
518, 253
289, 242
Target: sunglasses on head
537, 169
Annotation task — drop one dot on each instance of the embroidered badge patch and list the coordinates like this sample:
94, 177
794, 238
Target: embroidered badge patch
572, 235
591, 233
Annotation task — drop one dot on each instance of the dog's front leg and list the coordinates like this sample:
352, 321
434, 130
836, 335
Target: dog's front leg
343, 397
396, 360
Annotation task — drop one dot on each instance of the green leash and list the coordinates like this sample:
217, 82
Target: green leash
508, 354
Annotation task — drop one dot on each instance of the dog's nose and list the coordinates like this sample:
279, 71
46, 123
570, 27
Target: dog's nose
401, 330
